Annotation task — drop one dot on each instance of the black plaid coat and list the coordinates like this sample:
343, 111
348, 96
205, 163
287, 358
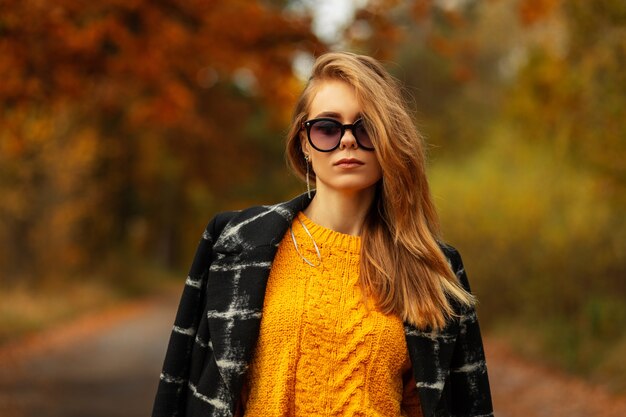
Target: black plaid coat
218, 320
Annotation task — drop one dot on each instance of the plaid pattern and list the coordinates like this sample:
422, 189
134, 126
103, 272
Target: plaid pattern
218, 320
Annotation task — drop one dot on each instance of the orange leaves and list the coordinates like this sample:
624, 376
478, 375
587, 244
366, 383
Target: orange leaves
442, 45
421, 10
463, 73
138, 44
92, 93
174, 102
140, 51
532, 11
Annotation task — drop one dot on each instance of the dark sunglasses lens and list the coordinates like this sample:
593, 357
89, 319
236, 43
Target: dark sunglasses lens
325, 134
362, 135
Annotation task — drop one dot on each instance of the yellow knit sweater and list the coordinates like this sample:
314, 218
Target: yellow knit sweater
321, 350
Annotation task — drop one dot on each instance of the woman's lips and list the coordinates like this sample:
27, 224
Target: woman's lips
349, 163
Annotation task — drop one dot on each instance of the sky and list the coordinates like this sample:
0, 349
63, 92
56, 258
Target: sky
330, 16
329, 19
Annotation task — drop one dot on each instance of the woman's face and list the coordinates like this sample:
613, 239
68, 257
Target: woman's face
349, 168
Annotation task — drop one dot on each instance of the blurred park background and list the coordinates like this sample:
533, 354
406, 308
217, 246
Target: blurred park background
126, 124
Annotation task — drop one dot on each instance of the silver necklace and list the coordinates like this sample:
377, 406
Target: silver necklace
295, 244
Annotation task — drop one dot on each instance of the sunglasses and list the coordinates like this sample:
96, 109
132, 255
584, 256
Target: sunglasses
325, 134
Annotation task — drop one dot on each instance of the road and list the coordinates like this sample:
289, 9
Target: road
107, 365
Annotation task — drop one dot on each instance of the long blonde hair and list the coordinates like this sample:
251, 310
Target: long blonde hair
402, 264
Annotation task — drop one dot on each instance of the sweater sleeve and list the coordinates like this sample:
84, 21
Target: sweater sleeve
172, 390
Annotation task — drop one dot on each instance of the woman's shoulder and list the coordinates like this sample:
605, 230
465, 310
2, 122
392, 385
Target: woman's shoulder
456, 263
283, 211
235, 217
253, 226
451, 253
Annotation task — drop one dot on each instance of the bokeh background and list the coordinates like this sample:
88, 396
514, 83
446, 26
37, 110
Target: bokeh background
126, 124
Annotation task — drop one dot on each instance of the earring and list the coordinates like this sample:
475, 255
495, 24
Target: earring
307, 158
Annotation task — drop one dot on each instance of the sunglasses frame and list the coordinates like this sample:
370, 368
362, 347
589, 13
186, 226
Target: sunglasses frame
309, 123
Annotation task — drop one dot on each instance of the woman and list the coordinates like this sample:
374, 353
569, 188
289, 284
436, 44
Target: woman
342, 301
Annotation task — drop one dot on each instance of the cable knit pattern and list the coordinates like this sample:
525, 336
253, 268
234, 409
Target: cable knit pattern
321, 350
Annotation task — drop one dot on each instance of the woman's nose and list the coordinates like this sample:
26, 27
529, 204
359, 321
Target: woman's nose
348, 140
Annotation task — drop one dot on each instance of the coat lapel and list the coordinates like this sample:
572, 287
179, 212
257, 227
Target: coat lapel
236, 284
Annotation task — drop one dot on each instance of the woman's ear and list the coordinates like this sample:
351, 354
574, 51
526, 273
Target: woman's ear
304, 144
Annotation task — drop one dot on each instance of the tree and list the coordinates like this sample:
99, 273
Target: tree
122, 119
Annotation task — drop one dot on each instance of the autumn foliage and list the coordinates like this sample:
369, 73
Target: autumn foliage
120, 118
